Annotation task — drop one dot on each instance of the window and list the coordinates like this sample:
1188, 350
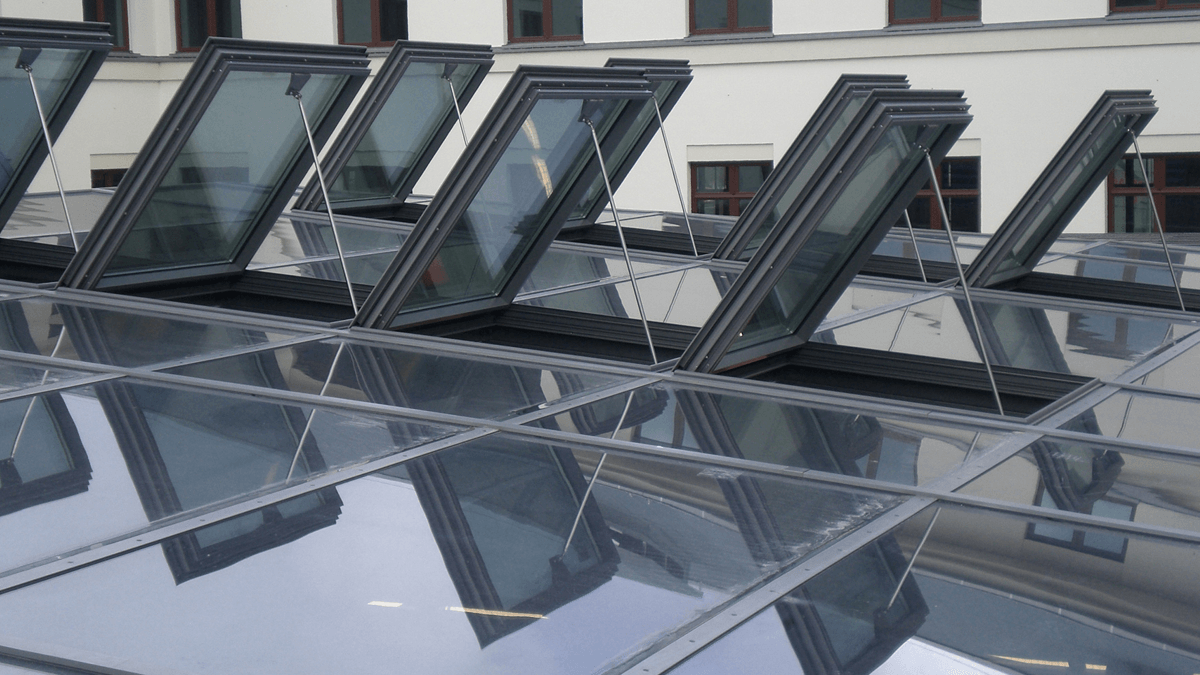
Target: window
105, 178
196, 20
533, 20
373, 23
958, 179
726, 189
729, 16
112, 12
1150, 5
926, 11
1175, 184
1095, 542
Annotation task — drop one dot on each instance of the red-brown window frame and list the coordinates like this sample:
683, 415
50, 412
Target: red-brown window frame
547, 25
935, 14
376, 32
124, 4
935, 206
733, 194
1158, 188
211, 15
1160, 5
731, 14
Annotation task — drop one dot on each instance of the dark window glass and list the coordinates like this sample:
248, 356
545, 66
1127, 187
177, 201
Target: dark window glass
1174, 185
103, 178
711, 14
912, 9
111, 12
393, 20
921, 11
199, 19
725, 189
1135, 5
545, 19
1183, 171
1183, 213
372, 22
958, 178
356, 21
715, 16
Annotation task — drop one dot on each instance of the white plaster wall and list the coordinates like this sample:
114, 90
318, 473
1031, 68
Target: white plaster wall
1005, 11
151, 27
628, 20
63, 10
290, 20
470, 21
818, 16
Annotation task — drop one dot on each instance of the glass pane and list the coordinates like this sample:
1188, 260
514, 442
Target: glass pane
1099, 480
114, 337
567, 17
89, 10
986, 595
393, 20
565, 268
356, 22
510, 209
684, 298
385, 158
1051, 209
407, 378
193, 21
54, 70
1132, 214
754, 14
1183, 171
750, 178
713, 207
114, 14
229, 18
104, 460
39, 216
295, 239
711, 179
960, 174
910, 452
912, 9
851, 216
711, 14
527, 18
1128, 171
1134, 3
960, 7
219, 184
1152, 418
458, 561
1183, 213
962, 212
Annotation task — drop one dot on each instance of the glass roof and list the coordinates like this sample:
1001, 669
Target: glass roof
63, 57
1057, 195
804, 265
487, 227
399, 123
198, 200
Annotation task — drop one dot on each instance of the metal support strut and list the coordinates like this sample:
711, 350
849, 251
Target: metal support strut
337, 241
587, 493
678, 190
312, 415
33, 400
25, 62
620, 233
450, 67
916, 250
1153, 209
913, 560
962, 279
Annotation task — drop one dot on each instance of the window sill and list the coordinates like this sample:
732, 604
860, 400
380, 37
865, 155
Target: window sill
1153, 15
930, 26
730, 36
539, 45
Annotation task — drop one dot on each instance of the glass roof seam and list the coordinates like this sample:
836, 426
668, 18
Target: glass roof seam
855, 317
1073, 304
1178, 451
1148, 389
607, 281
1157, 358
57, 386
236, 351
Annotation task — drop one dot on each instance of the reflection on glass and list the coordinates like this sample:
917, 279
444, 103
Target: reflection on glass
848, 220
39, 216
933, 248
219, 184
298, 239
383, 162
683, 298
399, 377
895, 450
557, 268
54, 71
986, 596
1152, 418
41, 456
509, 210
457, 562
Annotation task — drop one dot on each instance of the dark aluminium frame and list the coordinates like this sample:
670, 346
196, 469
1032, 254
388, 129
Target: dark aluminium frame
944, 110
37, 34
527, 86
359, 122
218, 57
986, 269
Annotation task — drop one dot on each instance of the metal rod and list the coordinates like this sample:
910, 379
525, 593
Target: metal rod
987, 363
457, 110
1162, 233
337, 241
587, 493
29, 409
971, 449
621, 233
678, 190
37, 100
308, 423
674, 298
912, 561
917, 251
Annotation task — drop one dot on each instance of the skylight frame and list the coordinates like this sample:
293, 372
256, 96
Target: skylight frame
40, 34
528, 86
987, 268
378, 93
847, 88
218, 58
713, 343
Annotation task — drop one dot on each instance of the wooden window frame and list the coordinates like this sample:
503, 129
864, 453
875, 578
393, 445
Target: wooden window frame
1158, 188
935, 15
935, 207
733, 194
731, 12
211, 15
547, 26
376, 30
124, 4
1159, 6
